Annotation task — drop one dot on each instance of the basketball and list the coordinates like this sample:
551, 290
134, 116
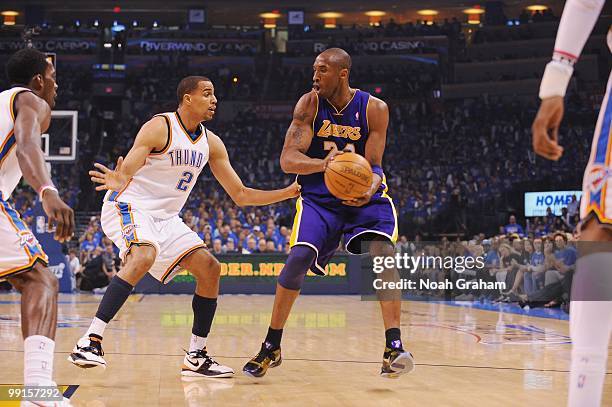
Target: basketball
348, 176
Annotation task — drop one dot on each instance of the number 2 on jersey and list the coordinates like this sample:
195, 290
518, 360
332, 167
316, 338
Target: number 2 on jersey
331, 145
183, 183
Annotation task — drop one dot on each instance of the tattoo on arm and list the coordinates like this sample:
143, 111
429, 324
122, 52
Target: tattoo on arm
295, 136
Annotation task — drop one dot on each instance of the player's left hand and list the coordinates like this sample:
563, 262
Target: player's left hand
362, 200
545, 128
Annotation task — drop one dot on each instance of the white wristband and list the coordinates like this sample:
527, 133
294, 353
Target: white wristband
46, 188
555, 79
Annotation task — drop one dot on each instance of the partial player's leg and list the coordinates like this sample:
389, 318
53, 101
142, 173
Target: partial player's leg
39, 288
396, 360
316, 229
88, 351
135, 234
288, 288
373, 230
591, 315
206, 271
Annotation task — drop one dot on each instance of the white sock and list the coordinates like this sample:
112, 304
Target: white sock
38, 361
97, 327
197, 343
590, 327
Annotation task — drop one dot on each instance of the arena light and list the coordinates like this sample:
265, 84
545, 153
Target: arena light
428, 12
329, 18
375, 16
537, 7
108, 45
155, 24
134, 23
10, 17
270, 19
474, 14
96, 23
428, 15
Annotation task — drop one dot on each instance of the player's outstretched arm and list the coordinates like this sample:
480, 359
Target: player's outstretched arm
293, 159
33, 116
230, 181
378, 121
153, 136
577, 22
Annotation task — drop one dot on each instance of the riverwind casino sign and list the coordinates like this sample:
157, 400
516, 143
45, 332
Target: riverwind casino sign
398, 45
207, 47
241, 47
57, 44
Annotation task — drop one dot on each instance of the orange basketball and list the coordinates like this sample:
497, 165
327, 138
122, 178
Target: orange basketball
348, 176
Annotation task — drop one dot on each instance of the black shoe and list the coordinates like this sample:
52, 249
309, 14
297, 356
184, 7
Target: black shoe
396, 362
266, 358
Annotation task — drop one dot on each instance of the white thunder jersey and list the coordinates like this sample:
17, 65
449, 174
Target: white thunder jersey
161, 187
10, 173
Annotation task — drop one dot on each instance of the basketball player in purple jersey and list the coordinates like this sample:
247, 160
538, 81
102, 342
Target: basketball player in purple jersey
328, 120
591, 298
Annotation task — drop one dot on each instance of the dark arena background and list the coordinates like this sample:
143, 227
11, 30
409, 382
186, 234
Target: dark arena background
461, 82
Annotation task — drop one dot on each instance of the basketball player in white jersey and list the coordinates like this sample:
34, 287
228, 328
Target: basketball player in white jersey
140, 214
25, 113
591, 299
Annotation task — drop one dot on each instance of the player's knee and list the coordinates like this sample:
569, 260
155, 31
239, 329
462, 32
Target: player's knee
205, 267
299, 261
44, 279
142, 258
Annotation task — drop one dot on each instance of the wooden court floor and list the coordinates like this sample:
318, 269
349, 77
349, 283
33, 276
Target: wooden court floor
332, 350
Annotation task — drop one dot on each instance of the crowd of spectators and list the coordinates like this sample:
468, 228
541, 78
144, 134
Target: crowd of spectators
535, 268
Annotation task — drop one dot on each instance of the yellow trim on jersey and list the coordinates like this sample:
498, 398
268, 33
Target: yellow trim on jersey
10, 149
385, 195
296, 222
180, 258
339, 112
367, 120
180, 122
11, 103
314, 119
169, 123
19, 269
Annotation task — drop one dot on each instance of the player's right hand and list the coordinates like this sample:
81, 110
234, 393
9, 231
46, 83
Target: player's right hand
332, 154
61, 216
545, 128
109, 179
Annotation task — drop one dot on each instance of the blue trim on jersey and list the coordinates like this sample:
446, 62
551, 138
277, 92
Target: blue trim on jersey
10, 142
34, 249
112, 196
604, 135
126, 220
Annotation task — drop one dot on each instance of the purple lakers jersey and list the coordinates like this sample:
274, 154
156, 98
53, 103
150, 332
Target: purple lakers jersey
332, 128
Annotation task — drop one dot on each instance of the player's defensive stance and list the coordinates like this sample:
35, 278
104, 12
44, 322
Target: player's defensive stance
140, 214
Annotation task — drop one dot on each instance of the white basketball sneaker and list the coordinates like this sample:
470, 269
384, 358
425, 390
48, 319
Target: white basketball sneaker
39, 403
199, 364
87, 353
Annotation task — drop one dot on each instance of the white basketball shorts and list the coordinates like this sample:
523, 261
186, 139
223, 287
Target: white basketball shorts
19, 248
127, 226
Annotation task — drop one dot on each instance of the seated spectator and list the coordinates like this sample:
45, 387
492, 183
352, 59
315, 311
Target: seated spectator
94, 274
